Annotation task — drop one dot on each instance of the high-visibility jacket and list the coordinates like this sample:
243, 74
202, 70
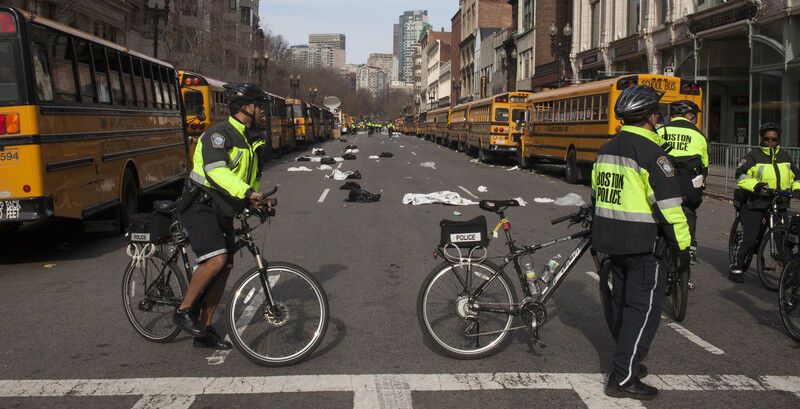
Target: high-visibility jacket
225, 165
634, 191
772, 166
687, 145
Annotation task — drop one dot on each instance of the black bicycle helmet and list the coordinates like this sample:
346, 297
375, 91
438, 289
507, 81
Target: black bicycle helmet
242, 93
683, 107
769, 126
636, 104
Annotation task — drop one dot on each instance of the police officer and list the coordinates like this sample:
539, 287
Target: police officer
688, 148
763, 168
636, 194
224, 180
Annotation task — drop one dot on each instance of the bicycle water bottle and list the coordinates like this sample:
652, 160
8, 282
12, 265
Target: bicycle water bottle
549, 271
531, 276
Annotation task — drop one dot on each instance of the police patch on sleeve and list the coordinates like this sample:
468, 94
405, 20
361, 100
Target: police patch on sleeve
218, 141
666, 166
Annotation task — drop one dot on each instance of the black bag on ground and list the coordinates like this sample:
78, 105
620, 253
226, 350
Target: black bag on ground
350, 147
466, 234
149, 228
327, 161
386, 155
342, 140
348, 156
303, 159
319, 152
354, 175
350, 186
363, 196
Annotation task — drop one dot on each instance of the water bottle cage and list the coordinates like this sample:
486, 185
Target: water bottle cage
139, 253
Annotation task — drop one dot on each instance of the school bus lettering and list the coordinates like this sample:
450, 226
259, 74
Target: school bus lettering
660, 84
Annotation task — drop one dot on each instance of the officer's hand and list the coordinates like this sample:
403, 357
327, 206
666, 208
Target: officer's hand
760, 187
684, 261
255, 199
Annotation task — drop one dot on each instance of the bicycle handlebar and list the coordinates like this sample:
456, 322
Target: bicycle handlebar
581, 215
561, 219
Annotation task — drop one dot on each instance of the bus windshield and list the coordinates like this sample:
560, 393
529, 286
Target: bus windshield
501, 115
194, 102
518, 115
9, 74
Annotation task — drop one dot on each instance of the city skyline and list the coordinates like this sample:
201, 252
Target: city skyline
374, 35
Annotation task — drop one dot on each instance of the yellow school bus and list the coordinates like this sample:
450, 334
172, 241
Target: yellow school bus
441, 120
280, 131
459, 127
204, 102
568, 125
298, 114
85, 124
493, 124
429, 127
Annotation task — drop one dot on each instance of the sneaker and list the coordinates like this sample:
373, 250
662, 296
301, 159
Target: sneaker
693, 257
736, 276
633, 389
187, 321
212, 340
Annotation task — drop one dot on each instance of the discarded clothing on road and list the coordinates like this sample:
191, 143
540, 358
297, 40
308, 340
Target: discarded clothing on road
299, 169
354, 175
328, 161
350, 186
350, 147
339, 175
443, 197
363, 196
521, 201
349, 156
386, 155
318, 152
342, 140
325, 167
482, 189
431, 165
374, 157
570, 199
351, 151
303, 159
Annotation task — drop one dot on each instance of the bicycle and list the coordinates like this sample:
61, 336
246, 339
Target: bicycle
277, 313
789, 294
772, 250
467, 318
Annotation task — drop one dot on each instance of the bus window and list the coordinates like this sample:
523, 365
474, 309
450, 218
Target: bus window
159, 99
85, 80
518, 115
193, 100
587, 108
604, 107
172, 89
148, 84
101, 73
114, 76
127, 80
576, 107
138, 84
41, 67
9, 75
595, 107
501, 115
165, 87
579, 108
61, 60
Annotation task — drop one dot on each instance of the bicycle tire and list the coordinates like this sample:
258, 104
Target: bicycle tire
291, 310
789, 298
435, 341
734, 238
170, 329
769, 282
606, 296
680, 295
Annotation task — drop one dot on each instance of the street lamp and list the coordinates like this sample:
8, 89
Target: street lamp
157, 8
560, 47
294, 84
260, 65
312, 95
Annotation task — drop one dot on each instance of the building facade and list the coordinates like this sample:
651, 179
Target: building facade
455, 59
435, 51
386, 62
396, 41
412, 24
372, 79
476, 15
335, 41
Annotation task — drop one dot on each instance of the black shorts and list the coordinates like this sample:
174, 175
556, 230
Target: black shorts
209, 233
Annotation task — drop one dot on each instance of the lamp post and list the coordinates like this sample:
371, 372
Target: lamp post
560, 46
294, 84
312, 95
260, 65
431, 100
157, 8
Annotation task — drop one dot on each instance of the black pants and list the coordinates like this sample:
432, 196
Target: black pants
638, 296
692, 199
751, 220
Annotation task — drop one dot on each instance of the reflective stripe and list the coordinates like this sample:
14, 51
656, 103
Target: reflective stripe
619, 161
214, 165
669, 203
644, 324
212, 254
624, 216
760, 173
651, 199
197, 178
236, 159
743, 177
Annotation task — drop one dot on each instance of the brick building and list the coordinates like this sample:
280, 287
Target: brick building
435, 51
476, 15
455, 59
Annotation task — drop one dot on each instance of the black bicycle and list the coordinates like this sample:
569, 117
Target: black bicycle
466, 306
771, 249
277, 313
789, 293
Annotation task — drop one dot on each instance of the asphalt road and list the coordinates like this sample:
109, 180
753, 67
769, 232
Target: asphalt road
65, 341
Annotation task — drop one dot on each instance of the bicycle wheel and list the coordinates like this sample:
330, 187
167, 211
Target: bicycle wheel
150, 293
606, 296
734, 239
448, 321
289, 333
768, 262
679, 294
789, 297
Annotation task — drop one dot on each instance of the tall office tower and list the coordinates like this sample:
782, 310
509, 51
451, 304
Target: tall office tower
412, 24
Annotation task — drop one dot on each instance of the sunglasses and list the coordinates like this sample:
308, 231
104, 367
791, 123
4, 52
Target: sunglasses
770, 139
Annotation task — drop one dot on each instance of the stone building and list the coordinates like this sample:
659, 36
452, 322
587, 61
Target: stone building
372, 79
476, 15
386, 62
435, 51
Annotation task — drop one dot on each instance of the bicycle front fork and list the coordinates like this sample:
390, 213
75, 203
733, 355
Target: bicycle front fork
263, 265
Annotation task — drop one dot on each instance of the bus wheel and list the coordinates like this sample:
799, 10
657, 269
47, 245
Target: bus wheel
572, 168
129, 202
483, 155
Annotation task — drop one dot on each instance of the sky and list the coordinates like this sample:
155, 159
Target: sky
366, 23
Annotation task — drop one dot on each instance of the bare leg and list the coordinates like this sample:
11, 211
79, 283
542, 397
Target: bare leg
213, 296
201, 277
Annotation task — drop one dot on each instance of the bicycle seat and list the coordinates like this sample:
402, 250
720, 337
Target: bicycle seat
497, 205
164, 206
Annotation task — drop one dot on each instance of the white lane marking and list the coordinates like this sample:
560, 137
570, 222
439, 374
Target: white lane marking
414, 153
386, 390
164, 402
219, 356
467, 191
680, 329
324, 195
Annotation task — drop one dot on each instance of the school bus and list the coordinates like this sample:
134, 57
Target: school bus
298, 114
441, 120
205, 105
419, 124
85, 124
429, 127
459, 127
280, 130
568, 125
493, 124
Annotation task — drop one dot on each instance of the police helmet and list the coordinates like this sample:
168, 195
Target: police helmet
769, 126
636, 104
243, 93
683, 107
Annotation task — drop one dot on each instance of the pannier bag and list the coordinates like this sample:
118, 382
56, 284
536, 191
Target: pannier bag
464, 234
149, 228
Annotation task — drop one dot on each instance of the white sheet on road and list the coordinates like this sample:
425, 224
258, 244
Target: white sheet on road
339, 175
570, 199
325, 167
374, 157
521, 201
299, 169
543, 200
482, 189
440, 197
431, 165
350, 151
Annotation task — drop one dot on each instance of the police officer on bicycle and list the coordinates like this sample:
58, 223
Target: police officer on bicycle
223, 181
636, 194
764, 168
688, 148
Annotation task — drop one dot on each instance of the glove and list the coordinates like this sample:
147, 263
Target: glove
760, 187
684, 261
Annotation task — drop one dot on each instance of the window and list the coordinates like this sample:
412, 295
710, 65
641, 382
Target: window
159, 96
61, 58
596, 9
596, 108
41, 66
527, 16
633, 16
587, 109
518, 115
604, 107
501, 115
663, 11
138, 84
166, 87
101, 73
148, 84
579, 107
9, 74
85, 75
114, 74
128, 86
232, 4
244, 15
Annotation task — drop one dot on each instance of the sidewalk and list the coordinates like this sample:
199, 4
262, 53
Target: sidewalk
718, 187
